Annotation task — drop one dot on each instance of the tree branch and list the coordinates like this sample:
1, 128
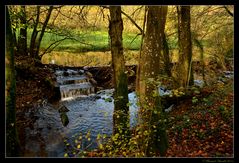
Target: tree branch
132, 21
228, 11
58, 41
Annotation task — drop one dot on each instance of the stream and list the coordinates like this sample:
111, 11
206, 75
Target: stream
88, 111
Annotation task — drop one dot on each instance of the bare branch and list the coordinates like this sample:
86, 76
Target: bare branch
56, 42
132, 21
228, 11
65, 15
135, 38
56, 16
138, 9
214, 30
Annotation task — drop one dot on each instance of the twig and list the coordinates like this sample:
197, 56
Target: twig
228, 11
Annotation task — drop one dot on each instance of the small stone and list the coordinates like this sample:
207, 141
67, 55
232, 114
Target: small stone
97, 97
63, 109
65, 73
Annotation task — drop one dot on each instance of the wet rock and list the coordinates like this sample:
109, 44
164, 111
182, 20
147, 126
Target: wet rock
64, 119
89, 74
65, 73
97, 97
56, 95
81, 72
199, 83
228, 74
63, 109
169, 109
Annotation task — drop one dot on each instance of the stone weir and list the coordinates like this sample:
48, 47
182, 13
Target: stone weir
74, 83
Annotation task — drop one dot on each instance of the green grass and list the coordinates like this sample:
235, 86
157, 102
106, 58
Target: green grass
85, 41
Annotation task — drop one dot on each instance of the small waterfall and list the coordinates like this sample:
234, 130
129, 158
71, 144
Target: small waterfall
73, 84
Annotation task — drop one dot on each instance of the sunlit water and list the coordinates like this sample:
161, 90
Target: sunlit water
85, 114
88, 111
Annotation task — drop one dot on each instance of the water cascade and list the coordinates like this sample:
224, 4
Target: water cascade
73, 84
86, 110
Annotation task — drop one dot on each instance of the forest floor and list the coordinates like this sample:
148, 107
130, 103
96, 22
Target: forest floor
32, 89
199, 128
203, 128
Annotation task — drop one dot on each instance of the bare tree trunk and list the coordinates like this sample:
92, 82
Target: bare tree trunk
154, 138
12, 142
200, 46
14, 38
34, 34
185, 75
38, 41
121, 110
22, 39
140, 52
37, 57
166, 57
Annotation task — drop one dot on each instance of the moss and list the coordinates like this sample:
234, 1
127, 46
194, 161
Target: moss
64, 119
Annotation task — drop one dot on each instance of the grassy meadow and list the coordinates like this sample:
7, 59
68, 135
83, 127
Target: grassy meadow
91, 48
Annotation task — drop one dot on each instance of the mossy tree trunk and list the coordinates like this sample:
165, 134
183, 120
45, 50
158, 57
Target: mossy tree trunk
12, 142
121, 109
153, 138
185, 73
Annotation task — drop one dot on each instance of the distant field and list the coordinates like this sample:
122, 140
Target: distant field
87, 41
91, 48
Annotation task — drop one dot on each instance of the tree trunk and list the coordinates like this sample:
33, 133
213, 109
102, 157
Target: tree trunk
22, 39
185, 75
14, 38
34, 34
12, 142
154, 137
38, 41
121, 110
140, 52
200, 46
166, 57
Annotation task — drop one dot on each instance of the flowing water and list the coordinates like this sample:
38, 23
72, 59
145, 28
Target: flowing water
88, 111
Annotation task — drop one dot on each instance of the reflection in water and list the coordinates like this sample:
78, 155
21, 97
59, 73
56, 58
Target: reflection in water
85, 114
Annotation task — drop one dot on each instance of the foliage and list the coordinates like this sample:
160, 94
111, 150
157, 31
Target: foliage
200, 127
